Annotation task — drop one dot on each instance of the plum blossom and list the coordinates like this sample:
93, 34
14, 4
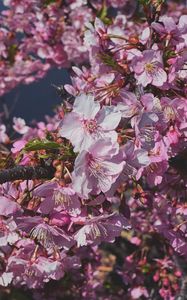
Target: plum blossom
50, 237
6, 278
168, 30
48, 268
67, 200
87, 123
129, 106
18, 146
96, 169
139, 291
8, 233
45, 192
8, 207
3, 135
148, 68
20, 125
135, 159
104, 228
54, 196
154, 172
126, 118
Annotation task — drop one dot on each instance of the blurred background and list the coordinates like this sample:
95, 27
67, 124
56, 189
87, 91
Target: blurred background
34, 101
37, 99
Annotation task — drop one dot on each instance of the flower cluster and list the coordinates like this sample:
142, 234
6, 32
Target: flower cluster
38, 35
118, 149
32, 40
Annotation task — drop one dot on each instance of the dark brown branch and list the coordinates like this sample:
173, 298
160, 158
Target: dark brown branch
26, 173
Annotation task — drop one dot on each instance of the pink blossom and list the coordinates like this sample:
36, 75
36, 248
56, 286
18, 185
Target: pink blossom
154, 172
135, 159
168, 29
87, 123
126, 118
20, 125
50, 237
148, 68
68, 201
48, 268
3, 136
59, 218
135, 240
18, 146
96, 169
8, 234
129, 106
6, 278
137, 292
104, 228
8, 207
53, 196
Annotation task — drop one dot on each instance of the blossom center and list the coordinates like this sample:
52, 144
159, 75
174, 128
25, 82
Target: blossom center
169, 113
90, 125
42, 235
150, 67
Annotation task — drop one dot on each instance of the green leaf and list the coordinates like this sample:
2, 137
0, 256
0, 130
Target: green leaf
144, 2
107, 21
12, 50
37, 144
108, 60
48, 2
169, 54
146, 268
102, 13
44, 156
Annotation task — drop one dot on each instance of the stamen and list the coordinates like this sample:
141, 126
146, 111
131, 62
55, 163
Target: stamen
90, 125
150, 68
43, 236
169, 113
96, 168
95, 231
61, 199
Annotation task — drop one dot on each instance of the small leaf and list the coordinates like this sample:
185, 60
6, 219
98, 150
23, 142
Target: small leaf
44, 156
12, 50
35, 145
102, 13
48, 2
144, 2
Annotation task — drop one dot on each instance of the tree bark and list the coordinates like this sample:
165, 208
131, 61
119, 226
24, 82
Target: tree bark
26, 173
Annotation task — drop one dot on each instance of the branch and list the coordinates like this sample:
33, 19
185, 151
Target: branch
26, 173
